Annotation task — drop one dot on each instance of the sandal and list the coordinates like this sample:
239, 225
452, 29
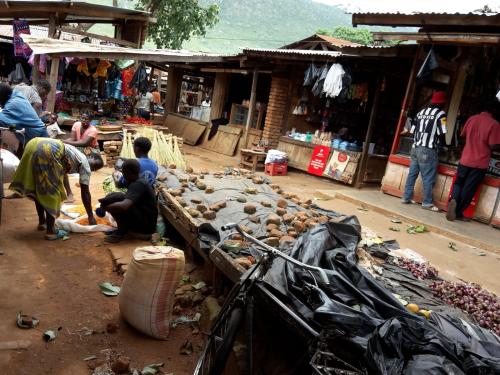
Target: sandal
57, 236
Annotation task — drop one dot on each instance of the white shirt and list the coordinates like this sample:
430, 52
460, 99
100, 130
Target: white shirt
144, 101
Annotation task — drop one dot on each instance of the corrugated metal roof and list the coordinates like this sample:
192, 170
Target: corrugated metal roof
42, 32
58, 47
289, 52
417, 19
337, 41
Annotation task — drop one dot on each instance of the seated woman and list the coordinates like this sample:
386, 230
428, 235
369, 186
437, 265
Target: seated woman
40, 176
135, 211
17, 111
83, 137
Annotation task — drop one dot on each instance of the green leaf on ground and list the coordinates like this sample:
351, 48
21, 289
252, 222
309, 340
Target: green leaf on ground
109, 289
412, 229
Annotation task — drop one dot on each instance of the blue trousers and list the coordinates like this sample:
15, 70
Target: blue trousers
424, 160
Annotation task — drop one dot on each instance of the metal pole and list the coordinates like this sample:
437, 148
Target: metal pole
251, 109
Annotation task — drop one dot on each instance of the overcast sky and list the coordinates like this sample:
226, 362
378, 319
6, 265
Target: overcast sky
448, 6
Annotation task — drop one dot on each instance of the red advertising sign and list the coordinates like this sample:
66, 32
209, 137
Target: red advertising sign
318, 160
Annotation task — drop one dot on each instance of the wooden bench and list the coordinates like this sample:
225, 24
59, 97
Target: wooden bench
252, 159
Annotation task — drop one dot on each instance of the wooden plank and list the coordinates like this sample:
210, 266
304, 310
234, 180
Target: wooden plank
224, 142
219, 97
225, 264
175, 124
193, 132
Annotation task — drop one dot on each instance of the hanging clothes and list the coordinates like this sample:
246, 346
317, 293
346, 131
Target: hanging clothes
140, 79
20, 48
17, 75
318, 86
333, 81
126, 78
102, 69
311, 75
83, 68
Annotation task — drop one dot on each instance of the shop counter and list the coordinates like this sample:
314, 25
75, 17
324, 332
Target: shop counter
487, 207
300, 154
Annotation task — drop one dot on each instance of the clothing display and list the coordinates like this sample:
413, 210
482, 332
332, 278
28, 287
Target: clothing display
126, 78
20, 48
140, 79
333, 81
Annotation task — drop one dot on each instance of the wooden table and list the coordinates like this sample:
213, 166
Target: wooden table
252, 159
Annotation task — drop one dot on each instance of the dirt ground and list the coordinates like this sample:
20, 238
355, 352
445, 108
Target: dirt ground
57, 282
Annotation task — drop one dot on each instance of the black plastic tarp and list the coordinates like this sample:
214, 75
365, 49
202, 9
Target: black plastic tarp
378, 327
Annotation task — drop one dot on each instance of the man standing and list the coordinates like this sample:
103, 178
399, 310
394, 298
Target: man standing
428, 129
35, 94
482, 133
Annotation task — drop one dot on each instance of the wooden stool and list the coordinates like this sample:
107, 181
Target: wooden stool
252, 159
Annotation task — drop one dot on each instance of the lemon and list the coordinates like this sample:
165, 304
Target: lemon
412, 307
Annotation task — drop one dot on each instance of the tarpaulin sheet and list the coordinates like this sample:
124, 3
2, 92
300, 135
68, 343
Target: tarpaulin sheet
229, 189
375, 324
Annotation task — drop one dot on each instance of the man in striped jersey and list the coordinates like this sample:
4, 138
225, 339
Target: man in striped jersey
428, 129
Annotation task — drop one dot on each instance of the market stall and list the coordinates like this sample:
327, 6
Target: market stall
464, 65
342, 120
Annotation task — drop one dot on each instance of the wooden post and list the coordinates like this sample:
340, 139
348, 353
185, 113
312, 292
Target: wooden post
363, 161
219, 97
52, 26
410, 91
173, 87
455, 100
251, 109
35, 70
54, 70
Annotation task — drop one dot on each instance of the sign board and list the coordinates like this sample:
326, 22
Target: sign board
318, 160
337, 165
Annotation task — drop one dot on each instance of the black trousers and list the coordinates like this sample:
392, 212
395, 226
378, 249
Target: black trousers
467, 181
132, 220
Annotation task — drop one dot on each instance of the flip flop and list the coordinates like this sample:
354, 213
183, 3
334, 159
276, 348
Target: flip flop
57, 236
114, 238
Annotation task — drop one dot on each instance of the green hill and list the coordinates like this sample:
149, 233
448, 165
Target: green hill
265, 24
256, 23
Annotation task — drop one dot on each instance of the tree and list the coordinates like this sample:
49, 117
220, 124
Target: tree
361, 36
178, 20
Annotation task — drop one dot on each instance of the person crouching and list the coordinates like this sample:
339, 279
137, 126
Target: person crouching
135, 211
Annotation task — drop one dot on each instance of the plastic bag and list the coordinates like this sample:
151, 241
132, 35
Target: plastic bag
10, 164
71, 225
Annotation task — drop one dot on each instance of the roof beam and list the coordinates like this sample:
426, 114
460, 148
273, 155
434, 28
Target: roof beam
431, 37
73, 30
428, 19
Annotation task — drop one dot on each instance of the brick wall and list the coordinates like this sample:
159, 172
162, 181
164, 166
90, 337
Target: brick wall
276, 109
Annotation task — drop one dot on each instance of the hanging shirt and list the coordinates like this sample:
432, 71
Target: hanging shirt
428, 125
333, 81
481, 132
